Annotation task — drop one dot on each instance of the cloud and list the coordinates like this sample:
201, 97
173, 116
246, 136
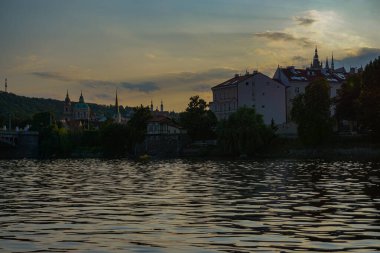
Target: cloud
52, 75
145, 87
305, 21
104, 96
359, 56
96, 83
284, 36
202, 76
202, 88
299, 58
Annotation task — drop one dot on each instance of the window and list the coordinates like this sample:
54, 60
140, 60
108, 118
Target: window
297, 90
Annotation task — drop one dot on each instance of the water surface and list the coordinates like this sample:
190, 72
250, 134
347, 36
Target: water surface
189, 206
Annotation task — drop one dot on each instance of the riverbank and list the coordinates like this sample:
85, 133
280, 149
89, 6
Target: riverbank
281, 148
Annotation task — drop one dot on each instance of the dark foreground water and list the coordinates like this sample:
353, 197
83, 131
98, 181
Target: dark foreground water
189, 206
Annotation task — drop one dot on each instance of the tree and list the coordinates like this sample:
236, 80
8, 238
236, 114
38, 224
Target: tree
244, 132
311, 111
138, 124
347, 101
115, 139
370, 98
42, 120
198, 120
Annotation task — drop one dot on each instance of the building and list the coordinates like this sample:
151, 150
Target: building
254, 90
162, 125
78, 112
164, 137
296, 80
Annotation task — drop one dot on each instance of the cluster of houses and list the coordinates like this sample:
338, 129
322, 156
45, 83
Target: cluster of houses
272, 97
164, 136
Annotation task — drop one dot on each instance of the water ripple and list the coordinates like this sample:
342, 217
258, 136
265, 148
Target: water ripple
96, 205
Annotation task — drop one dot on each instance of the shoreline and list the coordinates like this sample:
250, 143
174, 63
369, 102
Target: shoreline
351, 153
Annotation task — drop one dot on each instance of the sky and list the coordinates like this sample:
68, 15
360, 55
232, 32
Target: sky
170, 50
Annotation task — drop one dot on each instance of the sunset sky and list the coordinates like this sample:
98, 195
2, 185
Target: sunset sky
171, 49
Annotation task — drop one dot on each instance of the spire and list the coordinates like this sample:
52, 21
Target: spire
118, 115
67, 99
6, 85
316, 63
332, 60
327, 63
117, 102
162, 106
151, 105
81, 99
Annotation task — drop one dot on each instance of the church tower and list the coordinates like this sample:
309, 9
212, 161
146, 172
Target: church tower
162, 106
6, 85
327, 64
117, 115
332, 62
67, 107
316, 63
151, 105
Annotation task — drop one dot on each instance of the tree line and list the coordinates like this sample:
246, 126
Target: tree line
357, 106
243, 133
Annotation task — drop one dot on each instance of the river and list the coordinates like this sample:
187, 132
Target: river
94, 205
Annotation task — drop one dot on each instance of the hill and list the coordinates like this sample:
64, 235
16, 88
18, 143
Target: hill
23, 108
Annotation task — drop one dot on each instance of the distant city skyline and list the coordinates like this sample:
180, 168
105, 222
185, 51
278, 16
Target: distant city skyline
171, 49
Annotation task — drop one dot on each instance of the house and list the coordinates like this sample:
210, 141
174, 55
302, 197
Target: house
164, 137
252, 90
162, 125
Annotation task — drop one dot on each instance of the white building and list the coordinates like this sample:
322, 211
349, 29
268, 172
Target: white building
162, 125
296, 80
254, 90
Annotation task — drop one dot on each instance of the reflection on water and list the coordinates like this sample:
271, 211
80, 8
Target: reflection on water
189, 206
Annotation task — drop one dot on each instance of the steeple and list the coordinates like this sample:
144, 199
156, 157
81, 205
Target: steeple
118, 115
67, 99
117, 102
162, 106
151, 105
6, 85
81, 99
316, 64
332, 61
327, 64
67, 107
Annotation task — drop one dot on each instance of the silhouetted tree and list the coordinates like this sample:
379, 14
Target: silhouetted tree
115, 139
198, 120
244, 132
370, 98
138, 124
311, 111
347, 101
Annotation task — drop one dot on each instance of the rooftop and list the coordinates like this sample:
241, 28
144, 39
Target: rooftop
235, 80
307, 75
